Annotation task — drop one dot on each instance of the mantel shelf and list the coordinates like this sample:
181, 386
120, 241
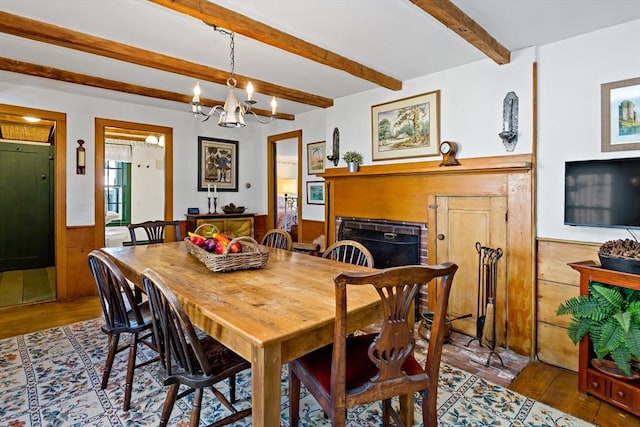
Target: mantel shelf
478, 164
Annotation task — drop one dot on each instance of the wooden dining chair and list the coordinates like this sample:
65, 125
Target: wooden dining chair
155, 231
277, 238
366, 368
122, 314
186, 359
349, 251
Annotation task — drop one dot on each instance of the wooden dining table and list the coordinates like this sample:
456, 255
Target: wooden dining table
269, 316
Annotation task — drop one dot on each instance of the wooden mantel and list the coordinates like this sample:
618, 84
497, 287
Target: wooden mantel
406, 191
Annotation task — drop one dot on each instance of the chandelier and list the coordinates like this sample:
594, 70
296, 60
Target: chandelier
232, 113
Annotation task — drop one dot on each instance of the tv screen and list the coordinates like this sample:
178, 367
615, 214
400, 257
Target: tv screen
602, 193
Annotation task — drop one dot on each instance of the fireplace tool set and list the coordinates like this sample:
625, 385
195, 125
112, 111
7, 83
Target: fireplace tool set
487, 284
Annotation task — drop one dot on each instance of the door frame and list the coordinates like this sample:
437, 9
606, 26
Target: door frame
272, 140
60, 188
100, 125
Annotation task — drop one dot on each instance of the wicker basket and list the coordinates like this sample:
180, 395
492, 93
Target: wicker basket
252, 255
206, 230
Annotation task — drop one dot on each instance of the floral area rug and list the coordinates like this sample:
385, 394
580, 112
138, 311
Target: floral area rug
52, 378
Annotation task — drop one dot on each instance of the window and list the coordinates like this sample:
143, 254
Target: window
117, 191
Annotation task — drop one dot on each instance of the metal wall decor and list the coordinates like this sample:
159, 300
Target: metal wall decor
509, 134
335, 150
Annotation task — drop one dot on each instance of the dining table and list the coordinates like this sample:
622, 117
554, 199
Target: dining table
268, 315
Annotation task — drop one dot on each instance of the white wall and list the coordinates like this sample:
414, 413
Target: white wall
571, 73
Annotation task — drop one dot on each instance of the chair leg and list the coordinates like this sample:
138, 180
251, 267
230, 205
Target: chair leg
294, 398
168, 404
114, 339
196, 408
429, 409
386, 412
131, 365
232, 388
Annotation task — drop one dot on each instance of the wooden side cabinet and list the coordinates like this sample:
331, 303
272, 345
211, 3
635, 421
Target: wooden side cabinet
234, 225
622, 393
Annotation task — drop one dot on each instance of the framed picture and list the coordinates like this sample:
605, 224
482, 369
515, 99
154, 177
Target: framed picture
315, 157
217, 164
408, 127
620, 109
315, 192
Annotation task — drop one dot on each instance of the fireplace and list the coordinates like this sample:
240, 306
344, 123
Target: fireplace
391, 243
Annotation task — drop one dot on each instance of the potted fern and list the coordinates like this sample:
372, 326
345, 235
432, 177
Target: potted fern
353, 159
610, 316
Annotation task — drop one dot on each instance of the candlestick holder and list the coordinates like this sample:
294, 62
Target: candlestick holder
208, 204
215, 205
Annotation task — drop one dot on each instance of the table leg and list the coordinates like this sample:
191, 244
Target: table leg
266, 368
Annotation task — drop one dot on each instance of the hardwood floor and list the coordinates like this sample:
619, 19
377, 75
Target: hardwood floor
553, 386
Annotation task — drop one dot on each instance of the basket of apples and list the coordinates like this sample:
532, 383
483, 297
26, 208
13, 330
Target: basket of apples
219, 252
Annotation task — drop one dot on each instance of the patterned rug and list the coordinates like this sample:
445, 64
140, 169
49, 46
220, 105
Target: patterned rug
52, 378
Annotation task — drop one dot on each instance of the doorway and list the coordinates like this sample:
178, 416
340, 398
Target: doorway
134, 177
284, 172
27, 186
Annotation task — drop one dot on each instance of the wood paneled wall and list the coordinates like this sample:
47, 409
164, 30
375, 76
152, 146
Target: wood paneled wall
402, 192
556, 282
79, 282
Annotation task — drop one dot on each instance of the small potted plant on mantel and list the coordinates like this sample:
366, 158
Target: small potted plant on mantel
353, 159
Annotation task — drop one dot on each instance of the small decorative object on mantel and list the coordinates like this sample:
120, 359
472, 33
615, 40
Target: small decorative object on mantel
448, 150
509, 134
353, 159
621, 255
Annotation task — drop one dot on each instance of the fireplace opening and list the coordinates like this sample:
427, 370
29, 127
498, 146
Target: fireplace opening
391, 244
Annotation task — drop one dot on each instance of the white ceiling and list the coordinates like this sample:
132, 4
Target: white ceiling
391, 36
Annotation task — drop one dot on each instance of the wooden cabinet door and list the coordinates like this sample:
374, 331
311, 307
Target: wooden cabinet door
237, 227
460, 223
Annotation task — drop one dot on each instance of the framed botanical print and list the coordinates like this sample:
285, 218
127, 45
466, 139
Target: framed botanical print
408, 127
217, 164
315, 157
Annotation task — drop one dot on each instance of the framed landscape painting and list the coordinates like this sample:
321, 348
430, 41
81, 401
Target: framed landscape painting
620, 109
315, 157
315, 192
408, 127
217, 164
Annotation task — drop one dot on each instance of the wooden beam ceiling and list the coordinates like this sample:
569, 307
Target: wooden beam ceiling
214, 14
460, 23
15, 66
59, 36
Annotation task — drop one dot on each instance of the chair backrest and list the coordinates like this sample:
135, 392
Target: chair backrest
155, 230
397, 288
116, 296
278, 238
349, 251
178, 345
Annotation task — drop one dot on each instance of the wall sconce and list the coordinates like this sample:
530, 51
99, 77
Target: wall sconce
335, 150
81, 159
509, 134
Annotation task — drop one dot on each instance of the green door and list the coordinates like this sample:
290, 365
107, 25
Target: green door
26, 203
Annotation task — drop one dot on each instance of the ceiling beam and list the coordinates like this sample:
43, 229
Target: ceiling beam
214, 14
461, 24
36, 70
59, 36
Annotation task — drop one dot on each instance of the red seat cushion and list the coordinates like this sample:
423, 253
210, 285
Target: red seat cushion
359, 367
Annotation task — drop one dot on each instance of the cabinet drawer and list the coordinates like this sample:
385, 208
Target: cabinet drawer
596, 384
623, 394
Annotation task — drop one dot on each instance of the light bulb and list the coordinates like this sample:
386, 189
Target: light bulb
196, 92
273, 106
249, 91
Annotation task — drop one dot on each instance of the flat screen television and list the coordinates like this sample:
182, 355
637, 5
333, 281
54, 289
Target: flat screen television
602, 193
